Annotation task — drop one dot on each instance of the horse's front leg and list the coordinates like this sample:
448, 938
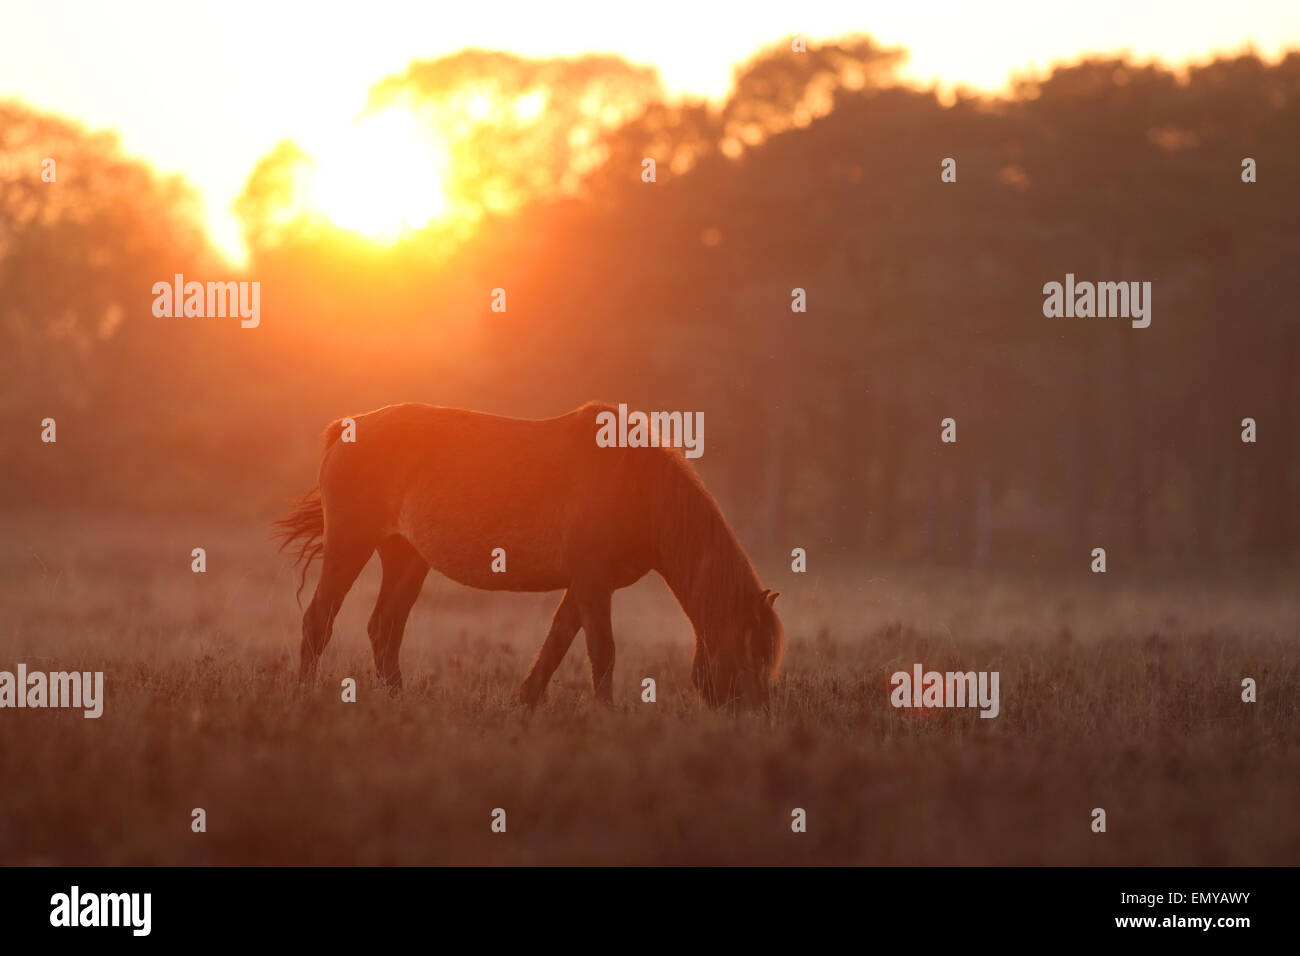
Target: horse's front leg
564, 628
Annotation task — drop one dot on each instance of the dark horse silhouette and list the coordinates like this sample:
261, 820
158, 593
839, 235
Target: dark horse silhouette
444, 487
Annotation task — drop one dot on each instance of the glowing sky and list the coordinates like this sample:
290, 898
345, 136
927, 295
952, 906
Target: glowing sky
207, 88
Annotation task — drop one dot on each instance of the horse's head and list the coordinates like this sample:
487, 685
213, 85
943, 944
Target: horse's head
738, 669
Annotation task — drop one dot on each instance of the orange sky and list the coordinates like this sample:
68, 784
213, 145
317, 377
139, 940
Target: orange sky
206, 88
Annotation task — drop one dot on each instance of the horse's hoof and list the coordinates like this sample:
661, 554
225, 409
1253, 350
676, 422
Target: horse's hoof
522, 698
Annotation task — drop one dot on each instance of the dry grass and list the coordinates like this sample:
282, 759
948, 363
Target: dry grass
1114, 694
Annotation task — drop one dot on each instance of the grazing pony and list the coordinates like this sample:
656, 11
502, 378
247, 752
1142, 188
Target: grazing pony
443, 488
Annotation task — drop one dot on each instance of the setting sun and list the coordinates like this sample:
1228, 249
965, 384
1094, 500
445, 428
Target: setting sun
382, 178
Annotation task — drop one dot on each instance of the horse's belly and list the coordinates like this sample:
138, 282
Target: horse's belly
521, 532
506, 560
501, 581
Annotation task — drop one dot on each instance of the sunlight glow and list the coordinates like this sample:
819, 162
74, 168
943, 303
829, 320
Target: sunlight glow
382, 178
277, 87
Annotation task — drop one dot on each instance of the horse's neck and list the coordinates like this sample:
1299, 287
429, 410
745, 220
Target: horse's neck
707, 570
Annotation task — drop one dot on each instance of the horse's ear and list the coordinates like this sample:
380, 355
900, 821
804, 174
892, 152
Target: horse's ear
770, 596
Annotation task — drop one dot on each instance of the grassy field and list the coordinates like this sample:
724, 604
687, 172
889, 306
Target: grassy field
1115, 693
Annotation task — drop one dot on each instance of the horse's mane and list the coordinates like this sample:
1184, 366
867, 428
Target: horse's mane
699, 554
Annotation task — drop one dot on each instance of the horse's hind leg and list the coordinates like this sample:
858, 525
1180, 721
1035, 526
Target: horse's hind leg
564, 628
404, 574
344, 557
593, 608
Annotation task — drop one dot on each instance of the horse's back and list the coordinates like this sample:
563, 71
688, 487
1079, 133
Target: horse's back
460, 484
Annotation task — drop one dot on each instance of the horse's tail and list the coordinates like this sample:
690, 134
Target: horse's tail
302, 530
